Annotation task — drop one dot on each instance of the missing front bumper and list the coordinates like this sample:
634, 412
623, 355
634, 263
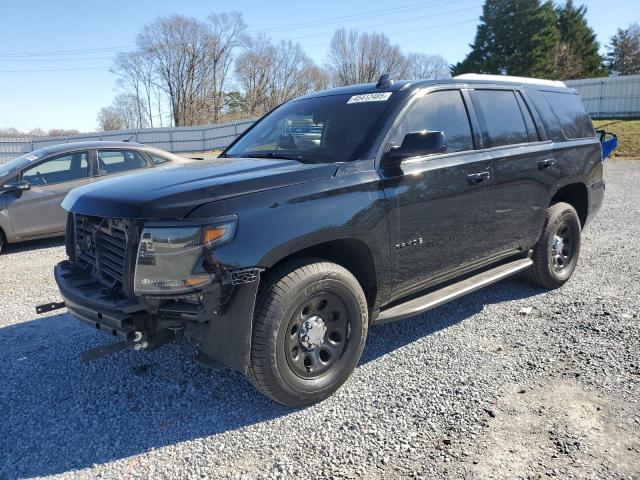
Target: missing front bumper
224, 334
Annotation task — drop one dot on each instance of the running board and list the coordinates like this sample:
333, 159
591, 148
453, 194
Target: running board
451, 292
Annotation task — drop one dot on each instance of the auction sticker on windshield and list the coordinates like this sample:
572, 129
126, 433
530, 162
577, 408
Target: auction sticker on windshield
370, 97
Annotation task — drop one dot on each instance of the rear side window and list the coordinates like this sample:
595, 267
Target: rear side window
500, 118
439, 111
570, 112
116, 161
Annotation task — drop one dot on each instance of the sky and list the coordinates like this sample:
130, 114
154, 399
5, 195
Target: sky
55, 56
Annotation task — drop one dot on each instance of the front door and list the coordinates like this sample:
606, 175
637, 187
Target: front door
440, 206
37, 211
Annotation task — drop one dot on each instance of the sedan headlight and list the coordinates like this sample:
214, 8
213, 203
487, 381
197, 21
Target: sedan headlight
178, 259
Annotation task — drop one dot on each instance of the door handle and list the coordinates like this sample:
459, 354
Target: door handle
477, 177
542, 164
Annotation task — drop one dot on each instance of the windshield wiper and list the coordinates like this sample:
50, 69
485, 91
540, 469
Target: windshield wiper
277, 155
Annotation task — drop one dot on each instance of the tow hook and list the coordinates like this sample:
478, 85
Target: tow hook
138, 341
49, 307
103, 351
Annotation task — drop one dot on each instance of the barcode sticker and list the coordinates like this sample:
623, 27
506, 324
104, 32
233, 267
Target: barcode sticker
370, 97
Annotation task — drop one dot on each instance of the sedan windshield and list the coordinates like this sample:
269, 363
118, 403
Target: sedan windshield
335, 128
19, 163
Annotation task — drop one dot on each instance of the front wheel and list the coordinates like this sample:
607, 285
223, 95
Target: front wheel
309, 332
556, 253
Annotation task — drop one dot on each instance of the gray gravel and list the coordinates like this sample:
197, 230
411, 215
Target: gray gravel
511, 381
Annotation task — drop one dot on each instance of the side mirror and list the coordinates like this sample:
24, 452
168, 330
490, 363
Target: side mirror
416, 144
16, 187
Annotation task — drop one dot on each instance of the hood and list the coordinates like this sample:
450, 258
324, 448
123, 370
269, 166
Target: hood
174, 191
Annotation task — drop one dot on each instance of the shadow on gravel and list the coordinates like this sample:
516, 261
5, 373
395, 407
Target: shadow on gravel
57, 415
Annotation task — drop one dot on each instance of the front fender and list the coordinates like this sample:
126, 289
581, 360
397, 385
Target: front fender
275, 224
5, 221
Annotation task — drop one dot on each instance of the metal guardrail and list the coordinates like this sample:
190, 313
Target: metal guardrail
173, 139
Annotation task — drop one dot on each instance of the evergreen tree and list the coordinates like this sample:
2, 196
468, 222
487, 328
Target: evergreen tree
577, 51
623, 57
514, 37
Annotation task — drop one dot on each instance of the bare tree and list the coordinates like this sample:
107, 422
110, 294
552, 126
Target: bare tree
62, 132
421, 66
190, 61
177, 46
356, 57
37, 132
137, 77
227, 32
122, 113
109, 118
272, 74
253, 72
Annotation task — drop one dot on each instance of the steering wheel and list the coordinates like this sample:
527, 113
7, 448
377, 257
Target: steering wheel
40, 177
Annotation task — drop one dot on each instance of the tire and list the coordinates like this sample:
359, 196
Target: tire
551, 267
309, 332
3, 242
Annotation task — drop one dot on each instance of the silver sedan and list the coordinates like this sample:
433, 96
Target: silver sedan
33, 186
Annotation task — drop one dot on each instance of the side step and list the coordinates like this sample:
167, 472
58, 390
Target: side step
451, 292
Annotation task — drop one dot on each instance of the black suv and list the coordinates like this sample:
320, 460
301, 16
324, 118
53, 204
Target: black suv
334, 212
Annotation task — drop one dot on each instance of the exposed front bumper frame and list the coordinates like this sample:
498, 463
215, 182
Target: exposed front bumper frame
225, 338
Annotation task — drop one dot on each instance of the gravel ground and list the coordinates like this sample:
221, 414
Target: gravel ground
478, 388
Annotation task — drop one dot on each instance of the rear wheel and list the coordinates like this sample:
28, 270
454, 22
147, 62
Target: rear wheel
3, 242
556, 253
310, 329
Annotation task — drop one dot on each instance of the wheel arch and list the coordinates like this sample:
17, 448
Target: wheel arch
576, 195
352, 254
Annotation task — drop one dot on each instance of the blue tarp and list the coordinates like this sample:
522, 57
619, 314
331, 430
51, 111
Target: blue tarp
608, 141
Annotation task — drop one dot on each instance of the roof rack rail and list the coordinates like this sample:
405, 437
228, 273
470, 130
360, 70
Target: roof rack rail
509, 78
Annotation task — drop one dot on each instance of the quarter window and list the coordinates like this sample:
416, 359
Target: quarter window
439, 111
570, 112
66, 168
116, 161
157, 159
500, 117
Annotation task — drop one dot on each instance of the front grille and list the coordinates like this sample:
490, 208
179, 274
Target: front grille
101, 244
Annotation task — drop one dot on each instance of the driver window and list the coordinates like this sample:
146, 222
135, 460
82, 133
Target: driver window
66, 168
439, 111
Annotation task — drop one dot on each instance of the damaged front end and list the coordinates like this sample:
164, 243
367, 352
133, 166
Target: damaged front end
148, 283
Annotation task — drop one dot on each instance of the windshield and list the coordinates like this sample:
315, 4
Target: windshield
326, 129
18, 163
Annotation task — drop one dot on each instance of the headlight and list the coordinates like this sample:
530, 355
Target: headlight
178, 259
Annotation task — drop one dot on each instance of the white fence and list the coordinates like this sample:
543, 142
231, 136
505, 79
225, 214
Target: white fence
176, 139
609, 97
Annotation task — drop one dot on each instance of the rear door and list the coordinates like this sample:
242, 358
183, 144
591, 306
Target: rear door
37, 211
522, 159
440, 206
